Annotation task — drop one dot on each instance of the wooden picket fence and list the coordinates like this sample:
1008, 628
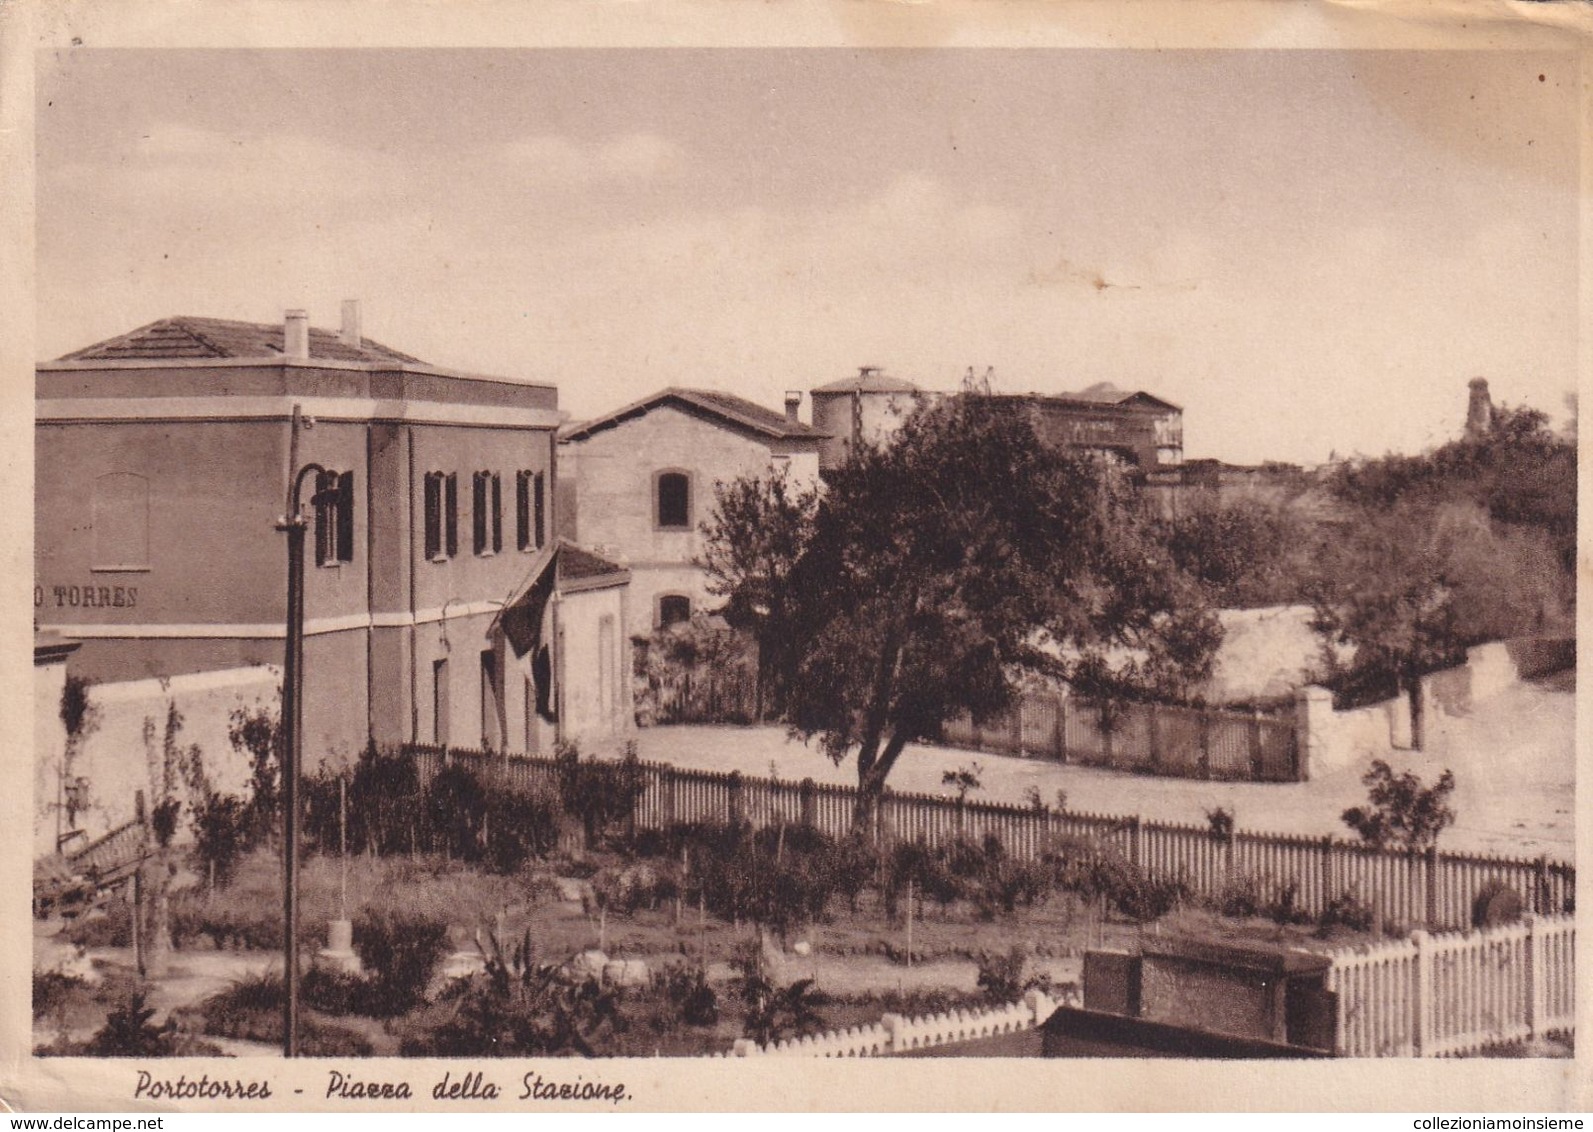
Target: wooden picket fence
1405, 890
1167, 739
895, 1034
1457, 993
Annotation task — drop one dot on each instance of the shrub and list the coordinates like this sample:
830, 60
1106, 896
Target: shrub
1346, 910
1285, 907
51, 990
222, 831
1401, 811
1240, 897
455, 811
111, 927
1001, 976
251, 1010
521, 825
687, 991
382, 815
401, 952
518, 1007
598, 794
774, 1013
237, 923
130, 1032
339, 992
853, 863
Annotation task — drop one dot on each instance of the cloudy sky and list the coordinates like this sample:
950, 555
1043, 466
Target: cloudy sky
1310, 251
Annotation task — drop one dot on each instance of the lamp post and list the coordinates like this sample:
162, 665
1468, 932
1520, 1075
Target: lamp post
293, 525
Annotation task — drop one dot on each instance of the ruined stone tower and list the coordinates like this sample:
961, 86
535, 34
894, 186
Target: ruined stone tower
1479, 413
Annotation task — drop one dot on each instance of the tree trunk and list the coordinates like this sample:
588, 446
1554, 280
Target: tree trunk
871, 776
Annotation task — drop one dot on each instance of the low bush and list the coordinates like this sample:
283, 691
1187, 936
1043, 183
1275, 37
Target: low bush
689, 997
1285, 909
251, 1010
597, 793
1002, 978
774, 1013
227, 923
1346, 910
129, 1031
517, 1007
51, 989
401, 954
112, 926
223, 825
1240, 897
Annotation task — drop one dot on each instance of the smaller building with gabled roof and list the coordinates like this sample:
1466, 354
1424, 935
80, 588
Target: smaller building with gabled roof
637, 483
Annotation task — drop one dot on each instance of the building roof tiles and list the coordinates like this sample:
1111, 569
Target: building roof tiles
725, 407
187, 337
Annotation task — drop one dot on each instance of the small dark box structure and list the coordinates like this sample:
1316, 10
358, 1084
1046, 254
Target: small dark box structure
1255, 992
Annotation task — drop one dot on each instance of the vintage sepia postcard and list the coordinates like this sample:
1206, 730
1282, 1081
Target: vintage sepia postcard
634, 557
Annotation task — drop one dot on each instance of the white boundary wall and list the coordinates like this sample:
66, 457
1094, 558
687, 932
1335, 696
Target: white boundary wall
122, 750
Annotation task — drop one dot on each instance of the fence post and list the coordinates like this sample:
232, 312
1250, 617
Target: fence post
734, 801
666, 788
1017, 726
1134, 826
1534, 976
1540, 887
1205, 743
1327, 871
805, 799
893, 1024
1430, 861
1255, 745
1421, 994
1061, 738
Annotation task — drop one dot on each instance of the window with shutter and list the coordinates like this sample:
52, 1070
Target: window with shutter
345, 517
334, 517
522, 510
478, 512
497, 513
434, 517
540, 504
451, 513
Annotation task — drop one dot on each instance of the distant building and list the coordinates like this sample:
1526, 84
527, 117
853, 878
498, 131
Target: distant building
868, 408
161, 462
1136, 429
637, 483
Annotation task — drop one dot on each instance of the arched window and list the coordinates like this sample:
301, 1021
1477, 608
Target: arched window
121, 522
673, 609
672, 494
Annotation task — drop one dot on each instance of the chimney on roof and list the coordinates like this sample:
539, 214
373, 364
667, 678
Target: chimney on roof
1479, 413
350, 334
793, 402
296, 334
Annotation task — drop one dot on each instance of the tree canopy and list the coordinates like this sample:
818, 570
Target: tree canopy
1473, 541
932, 572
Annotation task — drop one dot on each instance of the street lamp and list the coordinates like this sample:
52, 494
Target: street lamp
293, 525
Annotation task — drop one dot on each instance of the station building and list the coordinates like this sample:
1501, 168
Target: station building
161, 470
